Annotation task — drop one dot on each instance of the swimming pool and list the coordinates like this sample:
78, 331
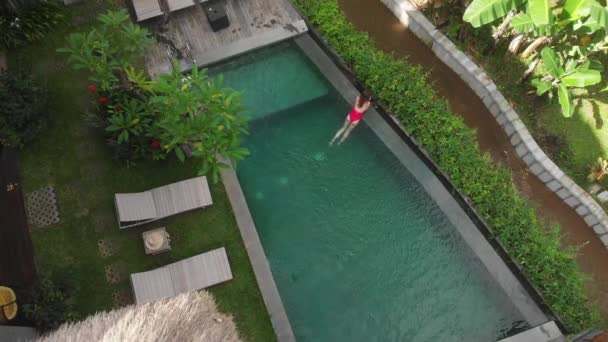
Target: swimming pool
358, 249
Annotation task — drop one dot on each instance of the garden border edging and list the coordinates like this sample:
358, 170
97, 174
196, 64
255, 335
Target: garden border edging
525, 146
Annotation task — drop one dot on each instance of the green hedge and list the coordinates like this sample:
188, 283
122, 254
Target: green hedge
404, 89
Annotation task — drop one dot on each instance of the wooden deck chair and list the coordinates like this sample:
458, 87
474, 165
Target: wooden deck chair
146, 9
175, 5
195, 273
134, 209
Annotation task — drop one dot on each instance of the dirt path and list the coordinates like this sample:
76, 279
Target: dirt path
390, 35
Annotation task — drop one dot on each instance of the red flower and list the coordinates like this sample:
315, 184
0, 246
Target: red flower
103, 99
155, 143
118, 109
92, 88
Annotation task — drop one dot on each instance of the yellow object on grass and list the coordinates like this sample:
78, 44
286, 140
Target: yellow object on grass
8, 304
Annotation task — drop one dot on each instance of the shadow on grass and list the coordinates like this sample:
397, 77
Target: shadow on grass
599, 121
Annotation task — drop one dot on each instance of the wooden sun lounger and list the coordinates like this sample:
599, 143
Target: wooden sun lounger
146, 9
135, 209
175, 5
195, 273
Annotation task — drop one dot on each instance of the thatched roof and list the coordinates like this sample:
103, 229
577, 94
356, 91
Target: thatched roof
188, 317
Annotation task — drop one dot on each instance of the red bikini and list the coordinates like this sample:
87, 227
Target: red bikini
354, 115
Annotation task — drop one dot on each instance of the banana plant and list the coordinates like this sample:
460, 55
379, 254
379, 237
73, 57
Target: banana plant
561, 79
598, 170
573, 30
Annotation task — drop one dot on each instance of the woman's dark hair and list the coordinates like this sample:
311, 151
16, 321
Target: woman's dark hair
364, 97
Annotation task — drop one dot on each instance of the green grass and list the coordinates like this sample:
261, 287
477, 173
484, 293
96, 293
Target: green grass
76, 162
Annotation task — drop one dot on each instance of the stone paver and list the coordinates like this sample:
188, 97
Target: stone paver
41, 206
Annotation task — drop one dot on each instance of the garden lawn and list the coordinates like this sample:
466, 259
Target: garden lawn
75, 160
574, 143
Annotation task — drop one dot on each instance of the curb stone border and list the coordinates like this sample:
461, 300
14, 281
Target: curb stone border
525, 146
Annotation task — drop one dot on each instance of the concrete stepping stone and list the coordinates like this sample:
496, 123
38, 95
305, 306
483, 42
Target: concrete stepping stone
41, 207
122, 298
116, 272
107, 247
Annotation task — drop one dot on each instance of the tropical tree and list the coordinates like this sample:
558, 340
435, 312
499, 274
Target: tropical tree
195, 111
575, 30
109, 50
176, 114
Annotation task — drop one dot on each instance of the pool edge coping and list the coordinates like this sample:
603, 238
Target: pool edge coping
257, 257
460, 198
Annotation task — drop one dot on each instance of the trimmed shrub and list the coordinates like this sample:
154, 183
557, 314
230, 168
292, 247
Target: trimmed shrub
50, 302
23, 109
32, 23
404, 90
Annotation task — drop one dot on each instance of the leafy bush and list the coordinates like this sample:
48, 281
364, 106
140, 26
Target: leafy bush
147, 118
49, 304
32, 24
23, 109
404, 89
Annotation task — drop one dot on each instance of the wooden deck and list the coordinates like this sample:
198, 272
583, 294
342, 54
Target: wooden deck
253, 24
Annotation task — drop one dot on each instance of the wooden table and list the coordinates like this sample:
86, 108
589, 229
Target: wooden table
165, 246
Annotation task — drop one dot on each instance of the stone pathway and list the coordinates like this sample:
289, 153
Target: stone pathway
116, 272
107, 247
92, 169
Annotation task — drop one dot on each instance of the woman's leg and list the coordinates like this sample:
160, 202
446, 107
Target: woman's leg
348, 130
340, 131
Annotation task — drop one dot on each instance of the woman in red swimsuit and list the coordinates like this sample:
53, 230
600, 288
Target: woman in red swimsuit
352, 120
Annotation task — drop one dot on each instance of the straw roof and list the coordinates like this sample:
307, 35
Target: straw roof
188, 317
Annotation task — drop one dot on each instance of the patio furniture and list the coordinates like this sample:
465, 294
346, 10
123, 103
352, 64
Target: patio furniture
156, 241
8, 304
146, 9
175, 5
216, 14
195, 273
135, 209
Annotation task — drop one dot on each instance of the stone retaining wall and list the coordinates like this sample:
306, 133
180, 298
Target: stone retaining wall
525, 146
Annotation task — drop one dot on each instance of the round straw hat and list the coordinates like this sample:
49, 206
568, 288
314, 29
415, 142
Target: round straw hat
155, 240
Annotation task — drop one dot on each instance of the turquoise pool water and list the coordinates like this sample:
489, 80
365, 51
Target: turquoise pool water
358, 250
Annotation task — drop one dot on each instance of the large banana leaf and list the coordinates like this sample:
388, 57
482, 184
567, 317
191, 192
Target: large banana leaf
582, 78
576, 9
599, 15
523, 23
551, 62
540, 12
481, 12
565, 101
